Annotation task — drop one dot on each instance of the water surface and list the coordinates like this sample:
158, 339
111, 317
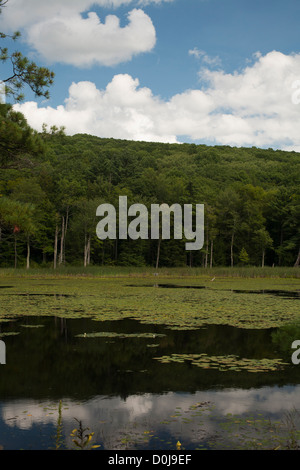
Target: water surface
142, 384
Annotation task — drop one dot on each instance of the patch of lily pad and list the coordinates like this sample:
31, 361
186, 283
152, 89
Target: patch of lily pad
9, 333
225, 363
175, 308
32, 326
112, 334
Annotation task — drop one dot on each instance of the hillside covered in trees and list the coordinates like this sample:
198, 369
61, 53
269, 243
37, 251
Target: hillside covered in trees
51, 185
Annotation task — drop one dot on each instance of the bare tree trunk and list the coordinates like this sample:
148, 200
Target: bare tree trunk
158, 253
116, 249
28, 254
85, 251
65, 235
103, 251
16, 254
206, 255
89, 250
61, 254
211, 253
207, 248
55, 247
297, 263
231, 250
281, 242
263, 258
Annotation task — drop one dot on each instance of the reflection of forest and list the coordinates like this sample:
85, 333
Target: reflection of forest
51, 361
283, 338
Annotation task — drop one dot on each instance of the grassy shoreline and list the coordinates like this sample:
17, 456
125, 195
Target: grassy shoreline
128, 271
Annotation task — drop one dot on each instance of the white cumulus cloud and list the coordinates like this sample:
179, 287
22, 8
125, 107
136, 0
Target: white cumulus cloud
18, 14
252, 107
59, 31
86, 41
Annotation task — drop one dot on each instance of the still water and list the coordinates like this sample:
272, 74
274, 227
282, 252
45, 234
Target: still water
110, 377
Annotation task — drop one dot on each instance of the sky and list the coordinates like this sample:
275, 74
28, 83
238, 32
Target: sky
215, 72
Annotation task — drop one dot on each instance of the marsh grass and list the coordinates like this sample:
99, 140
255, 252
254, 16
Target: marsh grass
130, 271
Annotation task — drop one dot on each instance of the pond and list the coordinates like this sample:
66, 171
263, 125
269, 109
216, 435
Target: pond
90, 356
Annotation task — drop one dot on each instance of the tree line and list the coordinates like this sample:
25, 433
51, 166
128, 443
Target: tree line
51, 185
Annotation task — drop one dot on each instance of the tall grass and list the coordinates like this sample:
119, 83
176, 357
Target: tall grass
130, 271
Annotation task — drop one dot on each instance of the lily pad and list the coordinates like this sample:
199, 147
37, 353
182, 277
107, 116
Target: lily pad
111, 334
32, 326
225, 363
9, 333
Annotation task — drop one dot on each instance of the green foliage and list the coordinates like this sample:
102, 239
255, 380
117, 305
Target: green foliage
244, 257
23, 71
81, 438
284, 336
20, 145
251, 198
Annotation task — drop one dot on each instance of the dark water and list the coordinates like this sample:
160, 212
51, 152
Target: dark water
170, 286
279, 293
121, 392
275, 292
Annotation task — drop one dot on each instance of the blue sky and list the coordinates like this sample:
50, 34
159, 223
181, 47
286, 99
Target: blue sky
204, 71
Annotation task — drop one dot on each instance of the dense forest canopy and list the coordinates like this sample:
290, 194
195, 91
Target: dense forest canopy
51, 185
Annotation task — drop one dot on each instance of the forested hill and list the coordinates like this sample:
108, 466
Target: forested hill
51, 185
124, 161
